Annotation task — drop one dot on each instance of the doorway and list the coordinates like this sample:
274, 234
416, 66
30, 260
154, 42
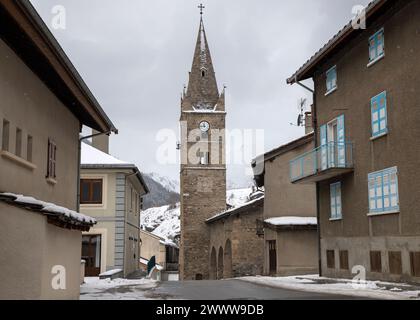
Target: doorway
272, 257
91, 253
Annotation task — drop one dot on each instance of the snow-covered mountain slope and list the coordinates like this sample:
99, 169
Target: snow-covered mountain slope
167, 183
165, 221
162, 191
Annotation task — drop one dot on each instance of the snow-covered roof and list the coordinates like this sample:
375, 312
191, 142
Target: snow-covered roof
238, 209
64, 215
91, 156
292, 221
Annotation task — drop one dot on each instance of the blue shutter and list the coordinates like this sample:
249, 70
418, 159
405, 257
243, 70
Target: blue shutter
324, 147
341, 143
379, 114
383, 191
333, 201
382, 103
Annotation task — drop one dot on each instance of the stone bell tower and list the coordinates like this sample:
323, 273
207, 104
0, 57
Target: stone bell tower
203, 165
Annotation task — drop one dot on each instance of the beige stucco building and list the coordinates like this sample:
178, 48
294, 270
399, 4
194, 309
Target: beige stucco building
290, 224
111, 191
153, 246
44, 105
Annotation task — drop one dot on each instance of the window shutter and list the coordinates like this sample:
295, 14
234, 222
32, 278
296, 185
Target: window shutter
332, 200
54, 161
341, 143
324, 147
49, 159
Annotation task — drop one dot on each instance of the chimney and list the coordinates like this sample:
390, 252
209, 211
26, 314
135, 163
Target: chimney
308, 123
101, 142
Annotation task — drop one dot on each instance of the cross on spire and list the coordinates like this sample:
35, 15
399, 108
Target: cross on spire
201, 7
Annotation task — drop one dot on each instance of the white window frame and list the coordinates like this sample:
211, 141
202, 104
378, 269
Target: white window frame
331, 84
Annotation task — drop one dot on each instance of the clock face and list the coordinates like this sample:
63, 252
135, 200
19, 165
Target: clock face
204, 126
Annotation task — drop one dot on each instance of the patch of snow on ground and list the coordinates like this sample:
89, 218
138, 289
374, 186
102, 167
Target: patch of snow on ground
118, 289
314, 283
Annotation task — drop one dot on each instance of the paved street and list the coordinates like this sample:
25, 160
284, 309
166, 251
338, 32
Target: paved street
230, 290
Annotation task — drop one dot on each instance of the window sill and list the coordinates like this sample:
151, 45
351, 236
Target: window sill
331, 91
385, 213
18, 160
92, 205
379, 136
376, 60
336, 219
52, 181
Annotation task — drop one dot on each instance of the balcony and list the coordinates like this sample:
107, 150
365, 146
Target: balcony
325, 162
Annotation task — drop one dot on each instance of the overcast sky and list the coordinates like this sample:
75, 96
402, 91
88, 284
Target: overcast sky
135, 56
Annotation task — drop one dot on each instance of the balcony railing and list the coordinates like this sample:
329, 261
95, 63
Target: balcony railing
322, 163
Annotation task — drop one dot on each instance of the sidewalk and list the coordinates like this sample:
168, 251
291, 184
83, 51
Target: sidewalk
368, 289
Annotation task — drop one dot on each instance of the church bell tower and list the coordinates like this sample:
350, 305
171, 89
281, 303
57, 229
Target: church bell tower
203, 165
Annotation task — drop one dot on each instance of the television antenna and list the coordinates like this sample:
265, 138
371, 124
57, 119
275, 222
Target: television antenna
301, 117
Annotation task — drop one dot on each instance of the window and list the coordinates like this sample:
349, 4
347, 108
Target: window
395, 262
204, 158
18, 146
141, 203
415, 263
344, 260
52, 157
204, 135
379, 115
335, 196
375, 261
29, 148
383, 191
91, 191
377, 46
5, 135
331, 79
330, 259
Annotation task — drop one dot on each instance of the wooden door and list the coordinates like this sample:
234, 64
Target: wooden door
91, 253
272, 256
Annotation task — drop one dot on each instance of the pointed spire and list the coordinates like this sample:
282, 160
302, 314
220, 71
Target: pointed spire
202, 88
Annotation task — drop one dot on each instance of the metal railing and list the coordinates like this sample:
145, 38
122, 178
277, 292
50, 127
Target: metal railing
333, 155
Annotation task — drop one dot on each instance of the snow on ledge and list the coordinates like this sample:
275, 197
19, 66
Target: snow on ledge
110, 273
47, 207
293, 221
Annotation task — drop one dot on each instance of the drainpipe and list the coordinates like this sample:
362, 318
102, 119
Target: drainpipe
81, 139
318, 210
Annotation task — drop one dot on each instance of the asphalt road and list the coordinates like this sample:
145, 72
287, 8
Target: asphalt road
231, 290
